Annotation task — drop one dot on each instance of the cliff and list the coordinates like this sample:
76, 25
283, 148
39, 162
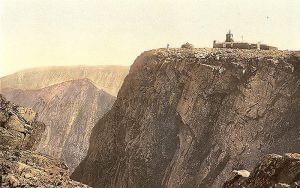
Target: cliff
20, 166
70, 110
189, 117
109, 78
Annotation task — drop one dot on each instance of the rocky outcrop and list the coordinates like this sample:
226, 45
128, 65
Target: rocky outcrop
273, 171
70, 110
109, 78
18, 126
24, 168
189, 117
20, 166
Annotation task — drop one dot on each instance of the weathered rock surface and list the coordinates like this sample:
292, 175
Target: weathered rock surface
189, 117
109, 78
70, 110
20, 166
18, 126
273, 171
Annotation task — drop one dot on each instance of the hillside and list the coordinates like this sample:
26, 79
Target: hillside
189, 117
70, 110
109, 78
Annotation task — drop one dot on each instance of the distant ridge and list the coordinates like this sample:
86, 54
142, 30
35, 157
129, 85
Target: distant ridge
109, 78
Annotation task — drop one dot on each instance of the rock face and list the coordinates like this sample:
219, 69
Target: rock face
273, 171
70, 110
189, 117
109, 78
20, 166
18, 126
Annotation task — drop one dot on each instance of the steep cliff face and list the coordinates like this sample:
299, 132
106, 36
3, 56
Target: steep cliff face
109, 78
20, 166
70, 110
188, 117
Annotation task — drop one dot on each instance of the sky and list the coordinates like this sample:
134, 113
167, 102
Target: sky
37, 33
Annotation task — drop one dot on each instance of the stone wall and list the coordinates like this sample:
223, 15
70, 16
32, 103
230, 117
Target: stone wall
243, 45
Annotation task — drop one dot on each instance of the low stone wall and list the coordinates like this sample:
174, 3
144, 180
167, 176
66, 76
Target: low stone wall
266, 47
243, 45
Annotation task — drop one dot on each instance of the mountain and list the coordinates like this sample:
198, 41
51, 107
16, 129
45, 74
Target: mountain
189, 117
109, 78
20, 165
70, 109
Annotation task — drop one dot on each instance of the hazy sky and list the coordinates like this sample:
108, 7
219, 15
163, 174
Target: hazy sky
99, 32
